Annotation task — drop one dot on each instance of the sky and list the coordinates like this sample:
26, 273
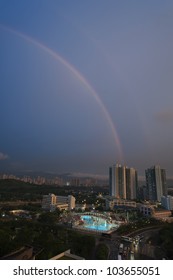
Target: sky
85, 85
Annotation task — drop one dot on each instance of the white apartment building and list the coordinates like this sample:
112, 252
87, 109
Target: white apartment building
51, 202
123, 182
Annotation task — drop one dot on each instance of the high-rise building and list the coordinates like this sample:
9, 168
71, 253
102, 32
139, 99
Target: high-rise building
117, 181
131, 183
123, 182
167, 202
156, 183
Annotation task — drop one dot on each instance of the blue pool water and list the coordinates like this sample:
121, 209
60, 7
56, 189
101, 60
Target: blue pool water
97, 223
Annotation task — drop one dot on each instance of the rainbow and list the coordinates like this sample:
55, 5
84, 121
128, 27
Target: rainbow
78, 76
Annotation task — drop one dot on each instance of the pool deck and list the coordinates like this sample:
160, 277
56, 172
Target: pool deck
97, 231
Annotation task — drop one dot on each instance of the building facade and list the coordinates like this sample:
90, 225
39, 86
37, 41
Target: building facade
123, 182
50, 202
153, 211
156, 183
113, 203
167, 202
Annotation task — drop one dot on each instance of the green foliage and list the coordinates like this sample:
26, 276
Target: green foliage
48, 218
15, 234
102, 252
13, 190
139, 224
44, 234
166, 240
82, 245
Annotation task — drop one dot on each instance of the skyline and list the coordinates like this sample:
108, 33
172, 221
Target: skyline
86, 85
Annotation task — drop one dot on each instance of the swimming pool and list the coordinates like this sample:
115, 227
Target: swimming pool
92, 222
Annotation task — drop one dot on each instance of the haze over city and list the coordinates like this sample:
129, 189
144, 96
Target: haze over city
86, 84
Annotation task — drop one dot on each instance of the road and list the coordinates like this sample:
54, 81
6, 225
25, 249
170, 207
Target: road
138, 249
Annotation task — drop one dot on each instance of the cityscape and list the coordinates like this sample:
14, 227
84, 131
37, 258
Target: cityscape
122, 219
86, 158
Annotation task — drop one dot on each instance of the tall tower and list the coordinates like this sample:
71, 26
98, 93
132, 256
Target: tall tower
156, 182
122, 182
117, 181
131, 183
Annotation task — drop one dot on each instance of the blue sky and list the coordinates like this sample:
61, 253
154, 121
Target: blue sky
50, 120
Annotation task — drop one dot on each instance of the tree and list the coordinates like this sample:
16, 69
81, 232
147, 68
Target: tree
102, 252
